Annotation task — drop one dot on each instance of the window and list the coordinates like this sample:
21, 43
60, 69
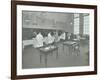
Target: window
86, 24
76, 23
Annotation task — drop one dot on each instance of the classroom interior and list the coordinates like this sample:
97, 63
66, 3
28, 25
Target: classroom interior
54, 39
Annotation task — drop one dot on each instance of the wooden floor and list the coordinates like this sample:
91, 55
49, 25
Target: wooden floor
31, 58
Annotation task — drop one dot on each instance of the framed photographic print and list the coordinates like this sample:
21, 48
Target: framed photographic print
52, 39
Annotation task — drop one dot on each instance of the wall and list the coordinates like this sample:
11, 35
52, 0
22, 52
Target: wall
5, 40
48, 20
44, 20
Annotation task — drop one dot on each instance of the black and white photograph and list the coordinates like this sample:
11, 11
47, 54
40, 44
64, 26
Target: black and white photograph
55, 39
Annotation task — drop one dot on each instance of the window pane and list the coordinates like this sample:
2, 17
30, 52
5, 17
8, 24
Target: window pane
86, 24
76, 23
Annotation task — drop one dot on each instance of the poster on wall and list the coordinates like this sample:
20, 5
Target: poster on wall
52, 39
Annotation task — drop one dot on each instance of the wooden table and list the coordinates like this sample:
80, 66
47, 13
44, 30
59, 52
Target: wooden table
45, 51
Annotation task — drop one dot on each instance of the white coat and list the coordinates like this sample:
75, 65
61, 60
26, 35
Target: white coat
39, 39
63, 36
50, 39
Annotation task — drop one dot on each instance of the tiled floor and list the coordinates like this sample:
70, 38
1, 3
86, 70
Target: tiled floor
31, 58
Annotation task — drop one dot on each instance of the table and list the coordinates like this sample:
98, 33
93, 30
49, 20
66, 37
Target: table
27, 42
76, 40
70, 45
46, 51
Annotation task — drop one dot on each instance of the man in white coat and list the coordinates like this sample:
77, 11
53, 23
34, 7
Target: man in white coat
63, 36
39, 40
50, 38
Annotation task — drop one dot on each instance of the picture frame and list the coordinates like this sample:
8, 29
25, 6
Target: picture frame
16, 35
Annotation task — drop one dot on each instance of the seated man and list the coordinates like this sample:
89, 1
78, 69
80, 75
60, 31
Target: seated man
45, 40
69, 36
38, 40
56, 37
62, 36
50, 38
